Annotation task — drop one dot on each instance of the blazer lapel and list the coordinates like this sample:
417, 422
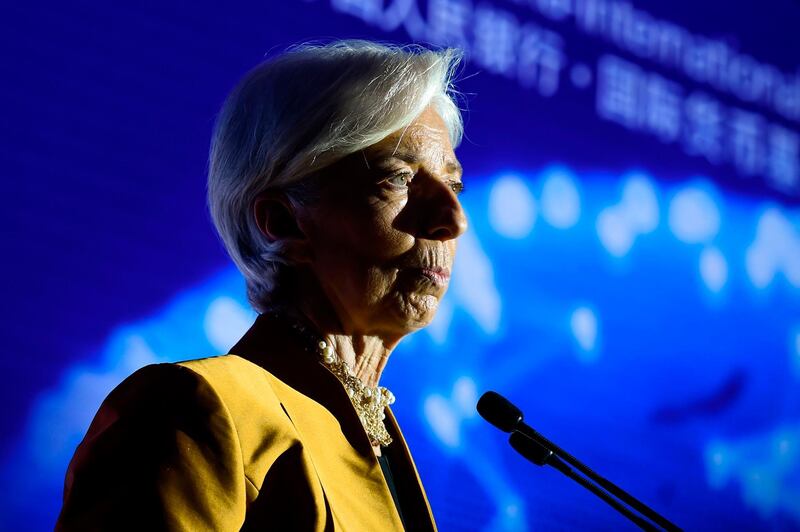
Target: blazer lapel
419, 516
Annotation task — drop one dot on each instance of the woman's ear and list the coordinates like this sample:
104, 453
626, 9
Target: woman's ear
277, 220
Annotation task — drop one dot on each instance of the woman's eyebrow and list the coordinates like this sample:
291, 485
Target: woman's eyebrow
451, 165
454, 167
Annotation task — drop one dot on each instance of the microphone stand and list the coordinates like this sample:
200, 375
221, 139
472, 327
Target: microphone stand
540, 455
501, 413
527, 432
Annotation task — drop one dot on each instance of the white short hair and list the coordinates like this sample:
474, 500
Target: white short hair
302, 111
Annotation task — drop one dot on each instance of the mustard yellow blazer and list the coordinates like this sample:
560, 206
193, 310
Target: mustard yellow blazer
263, 439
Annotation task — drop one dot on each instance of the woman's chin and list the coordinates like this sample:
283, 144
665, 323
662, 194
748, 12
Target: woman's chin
416, 310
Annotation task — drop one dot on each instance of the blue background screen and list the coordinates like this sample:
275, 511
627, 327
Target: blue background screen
631, 277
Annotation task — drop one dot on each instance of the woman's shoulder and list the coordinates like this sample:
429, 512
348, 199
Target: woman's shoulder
225, 382
225, 397
231, 374
176, 443
244, 387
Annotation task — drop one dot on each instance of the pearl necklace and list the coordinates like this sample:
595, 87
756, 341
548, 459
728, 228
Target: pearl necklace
369, 403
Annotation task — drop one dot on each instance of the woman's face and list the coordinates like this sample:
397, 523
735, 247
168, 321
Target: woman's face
383, 234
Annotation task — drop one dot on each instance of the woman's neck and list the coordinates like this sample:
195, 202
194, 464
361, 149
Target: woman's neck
365, 354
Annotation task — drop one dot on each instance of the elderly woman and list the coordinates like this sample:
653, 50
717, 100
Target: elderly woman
334, 187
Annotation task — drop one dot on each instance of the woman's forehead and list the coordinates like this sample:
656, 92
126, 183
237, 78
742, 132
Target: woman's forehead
418, 157
425, 141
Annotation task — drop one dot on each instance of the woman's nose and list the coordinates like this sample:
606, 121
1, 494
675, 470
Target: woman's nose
445, 218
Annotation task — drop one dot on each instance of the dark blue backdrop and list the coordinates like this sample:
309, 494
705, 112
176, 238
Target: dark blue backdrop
630, 278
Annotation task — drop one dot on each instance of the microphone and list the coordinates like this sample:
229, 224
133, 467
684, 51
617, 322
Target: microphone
504, 415
499, 411
535, 451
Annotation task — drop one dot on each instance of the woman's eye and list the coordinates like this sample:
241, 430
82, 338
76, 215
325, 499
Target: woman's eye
457, 187
399, 180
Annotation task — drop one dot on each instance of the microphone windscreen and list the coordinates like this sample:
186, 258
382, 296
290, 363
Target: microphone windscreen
530, 448
499, 411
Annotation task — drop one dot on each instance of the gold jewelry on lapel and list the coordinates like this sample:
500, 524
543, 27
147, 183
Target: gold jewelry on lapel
368, 402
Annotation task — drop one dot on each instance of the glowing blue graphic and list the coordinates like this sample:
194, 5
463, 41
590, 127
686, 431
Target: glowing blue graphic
584, 326
713, 268
561, 202
225, 321
445, 415
640, 204
776, 249
765, 466
512, 209
694, 216
637, 213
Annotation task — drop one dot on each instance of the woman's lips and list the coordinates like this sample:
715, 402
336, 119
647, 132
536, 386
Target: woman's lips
438, 276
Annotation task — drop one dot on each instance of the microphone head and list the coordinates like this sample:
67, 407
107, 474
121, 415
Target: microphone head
499, 411
530, 448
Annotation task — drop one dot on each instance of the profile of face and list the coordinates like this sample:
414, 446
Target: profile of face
381, 238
